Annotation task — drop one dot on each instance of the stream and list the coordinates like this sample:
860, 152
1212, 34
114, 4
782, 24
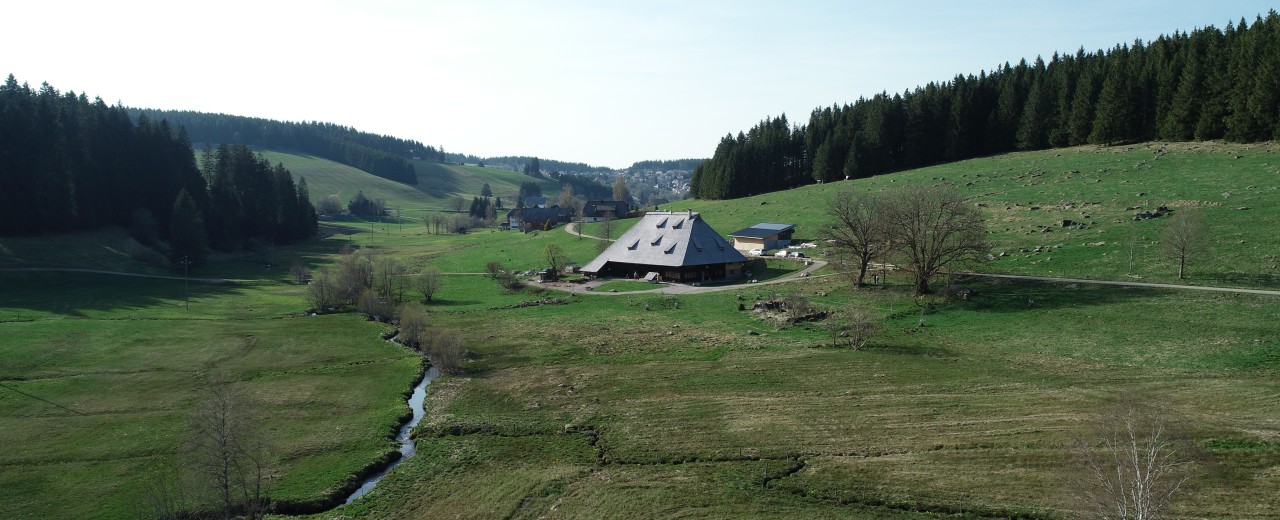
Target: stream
407, 448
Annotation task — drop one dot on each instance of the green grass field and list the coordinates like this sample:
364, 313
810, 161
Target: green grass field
652, 405
437, 183
1237, 187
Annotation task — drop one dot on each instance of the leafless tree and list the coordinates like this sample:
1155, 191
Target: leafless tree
329, 206
165, 495
374, 304
413, 324
227, 453
854, 327
565, 200
1133, 466
858, 232
447, 350
933, 228
605, 232
429, 281
620, 191
555, 258
323, 292
494, 268
457, 203
389, 278
355, 273
1185, 238
300, 272
438, 222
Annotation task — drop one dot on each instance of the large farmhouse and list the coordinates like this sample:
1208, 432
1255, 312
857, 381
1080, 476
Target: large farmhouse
534, 218
602, 210
765, 235
678, 246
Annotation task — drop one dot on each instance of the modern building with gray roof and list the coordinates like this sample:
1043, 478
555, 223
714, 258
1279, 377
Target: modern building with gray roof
679, 246
765, 235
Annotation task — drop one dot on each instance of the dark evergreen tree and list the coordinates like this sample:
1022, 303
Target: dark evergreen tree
187, 242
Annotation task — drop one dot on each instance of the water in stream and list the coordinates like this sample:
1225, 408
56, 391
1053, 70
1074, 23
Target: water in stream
407, 448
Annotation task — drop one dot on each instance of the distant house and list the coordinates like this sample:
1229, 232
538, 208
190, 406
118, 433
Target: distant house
678, 246
602, 210
534, 218
535, 202
765, 235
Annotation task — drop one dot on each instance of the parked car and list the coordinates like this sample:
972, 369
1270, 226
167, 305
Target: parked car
795, 254
782, 253
756, 252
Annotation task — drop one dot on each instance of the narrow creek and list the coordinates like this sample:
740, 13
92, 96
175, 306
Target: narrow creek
407, 447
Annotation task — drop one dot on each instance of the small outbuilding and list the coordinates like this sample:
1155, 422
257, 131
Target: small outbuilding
765, 235
678, 246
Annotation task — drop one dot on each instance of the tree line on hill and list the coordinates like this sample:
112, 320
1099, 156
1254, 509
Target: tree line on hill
534, 166
381, 155
68, 164
673, 164
1203, 85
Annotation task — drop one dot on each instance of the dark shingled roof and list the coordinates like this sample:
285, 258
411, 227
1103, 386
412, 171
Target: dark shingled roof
667, 239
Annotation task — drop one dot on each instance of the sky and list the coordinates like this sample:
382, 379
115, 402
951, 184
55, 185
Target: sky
605, 83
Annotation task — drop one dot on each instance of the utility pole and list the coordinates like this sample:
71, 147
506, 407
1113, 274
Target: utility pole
186, 283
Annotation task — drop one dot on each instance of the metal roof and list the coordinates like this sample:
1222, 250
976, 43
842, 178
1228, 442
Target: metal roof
763, 230
668, 239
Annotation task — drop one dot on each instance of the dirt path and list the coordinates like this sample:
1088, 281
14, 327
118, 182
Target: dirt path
572, 229
214, 281
1123, 283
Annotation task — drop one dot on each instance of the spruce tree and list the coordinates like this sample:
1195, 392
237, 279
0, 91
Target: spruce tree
187, 242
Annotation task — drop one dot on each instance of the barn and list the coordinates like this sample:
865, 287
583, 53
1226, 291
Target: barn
765, 235
678, 246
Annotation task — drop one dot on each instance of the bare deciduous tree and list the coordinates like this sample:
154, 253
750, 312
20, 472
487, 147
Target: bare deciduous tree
329, 206
355, 273
933, 228
164, 495
858, 232
854, 327
555, 258
605, 232
457, 203
413, 324
323, 292
1134, 465
494, 268
375, 305
1185, 237
447, 350
389, 278
226, 452
429, 281
300, 272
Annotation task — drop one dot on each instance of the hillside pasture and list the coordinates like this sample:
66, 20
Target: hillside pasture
1027, 196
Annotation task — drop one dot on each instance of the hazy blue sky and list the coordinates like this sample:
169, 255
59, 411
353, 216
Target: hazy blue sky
568, 80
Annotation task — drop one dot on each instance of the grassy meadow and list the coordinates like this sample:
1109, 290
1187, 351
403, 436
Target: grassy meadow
437, 183
1237, 187
638, 404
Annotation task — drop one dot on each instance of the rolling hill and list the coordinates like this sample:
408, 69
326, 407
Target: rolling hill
1027, 196
437, 182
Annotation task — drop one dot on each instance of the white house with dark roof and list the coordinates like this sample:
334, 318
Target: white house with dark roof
679, 246
765, 235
